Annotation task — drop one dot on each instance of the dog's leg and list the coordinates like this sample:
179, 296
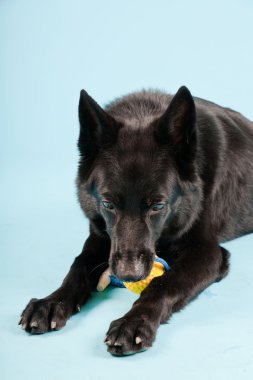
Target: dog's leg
52, 312
200, 263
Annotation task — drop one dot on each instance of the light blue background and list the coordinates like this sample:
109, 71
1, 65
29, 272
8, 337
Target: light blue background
50, 50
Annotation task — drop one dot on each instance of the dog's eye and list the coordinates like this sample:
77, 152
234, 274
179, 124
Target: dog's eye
108, 205
157, 206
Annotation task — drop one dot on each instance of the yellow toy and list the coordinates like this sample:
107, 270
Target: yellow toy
157, 270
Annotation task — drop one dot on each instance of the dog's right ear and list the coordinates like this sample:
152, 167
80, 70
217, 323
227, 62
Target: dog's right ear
97, 127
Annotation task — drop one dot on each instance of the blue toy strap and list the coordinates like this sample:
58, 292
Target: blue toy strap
163, 262
116, 282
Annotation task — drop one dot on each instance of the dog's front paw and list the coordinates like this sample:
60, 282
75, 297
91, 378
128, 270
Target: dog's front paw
130, 335
45, 315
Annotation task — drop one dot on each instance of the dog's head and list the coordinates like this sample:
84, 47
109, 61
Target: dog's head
137, 177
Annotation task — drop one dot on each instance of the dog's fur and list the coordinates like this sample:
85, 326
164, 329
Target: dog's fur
164, 175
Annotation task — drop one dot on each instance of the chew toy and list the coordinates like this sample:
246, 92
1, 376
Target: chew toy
157, 270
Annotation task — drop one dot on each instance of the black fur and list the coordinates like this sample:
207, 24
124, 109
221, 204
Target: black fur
176, 174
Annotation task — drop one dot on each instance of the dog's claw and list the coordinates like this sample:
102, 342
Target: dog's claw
138, 340
53, 325
108, 342
117, 344
34, 324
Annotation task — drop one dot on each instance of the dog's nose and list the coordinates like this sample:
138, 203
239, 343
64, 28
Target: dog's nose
129, 265
128, 271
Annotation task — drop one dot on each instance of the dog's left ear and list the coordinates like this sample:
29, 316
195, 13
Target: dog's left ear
177, 127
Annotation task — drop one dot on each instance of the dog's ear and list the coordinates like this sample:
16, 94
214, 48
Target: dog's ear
177, 127
97, 127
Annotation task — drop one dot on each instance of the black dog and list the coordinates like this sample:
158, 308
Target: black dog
157, 174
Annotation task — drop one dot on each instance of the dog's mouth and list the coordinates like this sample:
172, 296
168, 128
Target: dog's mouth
129, 278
